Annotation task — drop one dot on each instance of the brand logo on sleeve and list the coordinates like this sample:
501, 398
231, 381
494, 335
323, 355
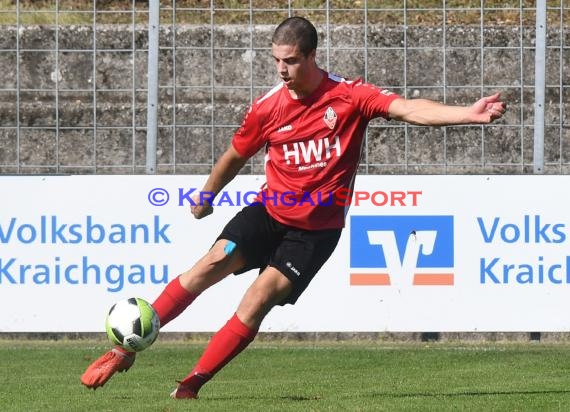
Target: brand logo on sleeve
286, 128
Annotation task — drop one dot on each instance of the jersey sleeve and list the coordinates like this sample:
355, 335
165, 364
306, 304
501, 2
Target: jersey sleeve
249, 138
371, 100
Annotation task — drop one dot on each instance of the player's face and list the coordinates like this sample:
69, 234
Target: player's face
294, 68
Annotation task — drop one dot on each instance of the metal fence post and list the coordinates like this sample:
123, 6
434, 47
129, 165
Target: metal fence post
152, 105
539, 86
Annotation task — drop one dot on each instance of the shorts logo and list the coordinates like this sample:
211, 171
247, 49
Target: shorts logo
293, 268
399, 250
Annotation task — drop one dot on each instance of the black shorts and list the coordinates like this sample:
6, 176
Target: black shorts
263, 241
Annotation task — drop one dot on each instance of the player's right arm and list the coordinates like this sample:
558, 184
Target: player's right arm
246, 142
225, 169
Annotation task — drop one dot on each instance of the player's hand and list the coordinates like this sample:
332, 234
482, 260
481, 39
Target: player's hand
201, 210
489, 108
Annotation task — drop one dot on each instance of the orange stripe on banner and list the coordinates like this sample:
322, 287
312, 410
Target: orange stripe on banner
439, 279
369, 279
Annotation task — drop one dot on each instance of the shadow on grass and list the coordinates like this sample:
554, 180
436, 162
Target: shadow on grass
469, 393
261, 397
301, 398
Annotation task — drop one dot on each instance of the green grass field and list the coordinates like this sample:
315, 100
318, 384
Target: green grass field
347, 376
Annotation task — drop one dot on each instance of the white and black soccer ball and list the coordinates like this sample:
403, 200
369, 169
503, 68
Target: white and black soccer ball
132, 324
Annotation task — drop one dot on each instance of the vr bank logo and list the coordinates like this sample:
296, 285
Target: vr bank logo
397, 250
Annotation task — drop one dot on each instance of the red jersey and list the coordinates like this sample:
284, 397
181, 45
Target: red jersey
313, 147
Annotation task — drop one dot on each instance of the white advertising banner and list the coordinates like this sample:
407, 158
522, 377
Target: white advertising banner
419, 253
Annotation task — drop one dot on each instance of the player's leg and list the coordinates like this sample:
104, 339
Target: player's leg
229, 254
245, 243
270, 288
221, 260
292, 265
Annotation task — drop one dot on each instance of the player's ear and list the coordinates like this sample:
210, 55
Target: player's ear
312, 55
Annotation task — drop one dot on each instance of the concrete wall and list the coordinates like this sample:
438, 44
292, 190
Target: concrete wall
120, 64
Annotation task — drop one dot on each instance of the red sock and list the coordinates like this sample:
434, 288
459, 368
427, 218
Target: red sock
172, 301
226, 344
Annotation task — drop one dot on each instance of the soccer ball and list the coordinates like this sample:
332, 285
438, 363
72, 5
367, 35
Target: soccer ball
132, 324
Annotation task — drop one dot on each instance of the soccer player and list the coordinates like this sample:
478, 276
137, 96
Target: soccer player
312, 127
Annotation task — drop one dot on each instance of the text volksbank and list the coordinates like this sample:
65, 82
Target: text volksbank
81, 270
54, 230
526, 233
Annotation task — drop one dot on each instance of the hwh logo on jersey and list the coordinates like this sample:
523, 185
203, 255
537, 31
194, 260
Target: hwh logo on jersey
311, 150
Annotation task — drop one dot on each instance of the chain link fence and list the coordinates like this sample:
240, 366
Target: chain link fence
74, 90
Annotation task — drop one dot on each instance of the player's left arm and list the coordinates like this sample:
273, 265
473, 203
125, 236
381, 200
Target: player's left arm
426, 112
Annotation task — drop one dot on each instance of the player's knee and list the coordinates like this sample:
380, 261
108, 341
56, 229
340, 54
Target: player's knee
221, 251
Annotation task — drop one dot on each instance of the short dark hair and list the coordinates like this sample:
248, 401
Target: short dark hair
296, 31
